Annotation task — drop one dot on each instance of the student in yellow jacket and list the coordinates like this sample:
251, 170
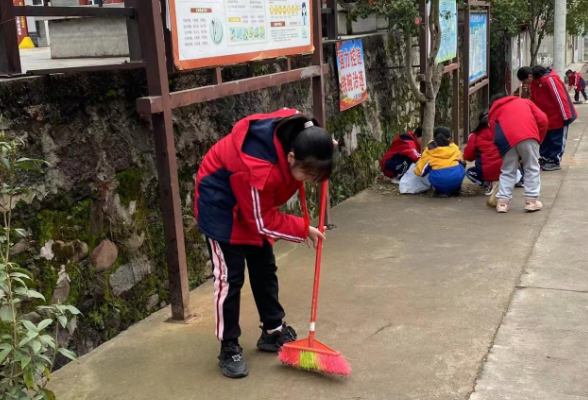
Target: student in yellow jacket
443, 162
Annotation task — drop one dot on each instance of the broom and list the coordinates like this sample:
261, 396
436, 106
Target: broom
309, 353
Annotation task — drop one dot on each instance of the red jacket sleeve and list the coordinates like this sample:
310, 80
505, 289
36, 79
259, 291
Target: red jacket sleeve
541, 119
559, 94
469, 153
258, 210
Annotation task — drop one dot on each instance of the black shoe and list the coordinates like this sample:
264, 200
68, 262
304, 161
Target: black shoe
550, 166
231, 361
274, 341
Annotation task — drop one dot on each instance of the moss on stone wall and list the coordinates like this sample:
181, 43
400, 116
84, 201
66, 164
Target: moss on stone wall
102, 184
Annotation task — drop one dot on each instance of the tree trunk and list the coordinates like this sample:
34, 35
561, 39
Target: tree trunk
534, 47
430, 108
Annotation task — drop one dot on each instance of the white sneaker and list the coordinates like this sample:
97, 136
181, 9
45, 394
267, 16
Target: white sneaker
586, 102
395, 181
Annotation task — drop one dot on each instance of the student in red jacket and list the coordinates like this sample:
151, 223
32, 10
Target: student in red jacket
404, 151
519, 127
549, 93
241, 182
576, 81
482, 150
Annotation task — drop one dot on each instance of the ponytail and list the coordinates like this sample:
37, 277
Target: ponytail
539, 71
441, 137
483, 122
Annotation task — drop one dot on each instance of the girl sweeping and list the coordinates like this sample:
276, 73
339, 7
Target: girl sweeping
442, 161
578, 83
241, 183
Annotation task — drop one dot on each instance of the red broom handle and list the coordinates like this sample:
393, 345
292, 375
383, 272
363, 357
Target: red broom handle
317, 265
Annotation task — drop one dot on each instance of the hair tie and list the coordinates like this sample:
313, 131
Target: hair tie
308, 124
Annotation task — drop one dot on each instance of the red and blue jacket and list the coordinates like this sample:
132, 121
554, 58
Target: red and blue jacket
513, 120
403, 145
242, 181
481, 148
576, 80
550, 95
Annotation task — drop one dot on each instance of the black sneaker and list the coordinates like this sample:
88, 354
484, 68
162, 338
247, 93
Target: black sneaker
274, 341
231, 361
550, 166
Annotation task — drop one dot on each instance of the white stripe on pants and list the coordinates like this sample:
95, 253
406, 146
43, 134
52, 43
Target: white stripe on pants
221, 286
528, 152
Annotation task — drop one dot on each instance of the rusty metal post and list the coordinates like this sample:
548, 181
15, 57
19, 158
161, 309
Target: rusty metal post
466, 71
167, 37
150, 22
9, 55
455, 111
318, 82
133, 35
423, 47
217, 76
332, 20
488, 54
456, 104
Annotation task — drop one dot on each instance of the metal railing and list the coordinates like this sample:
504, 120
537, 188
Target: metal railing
10, 64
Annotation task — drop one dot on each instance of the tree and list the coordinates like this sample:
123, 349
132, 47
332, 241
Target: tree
404, 18
577, 17
537, 15
510, 15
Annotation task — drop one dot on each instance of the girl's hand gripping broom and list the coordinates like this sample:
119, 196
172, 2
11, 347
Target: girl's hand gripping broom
310, 354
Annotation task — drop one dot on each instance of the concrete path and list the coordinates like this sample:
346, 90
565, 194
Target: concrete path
541, 350
413, 292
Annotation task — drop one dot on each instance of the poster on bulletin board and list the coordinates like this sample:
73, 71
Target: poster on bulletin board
352, 78
221, 32
478, 46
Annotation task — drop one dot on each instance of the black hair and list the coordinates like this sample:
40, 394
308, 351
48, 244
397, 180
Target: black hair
569, 72
441, 137
482, 122
418, 132
496, 97
312, 146
537, 71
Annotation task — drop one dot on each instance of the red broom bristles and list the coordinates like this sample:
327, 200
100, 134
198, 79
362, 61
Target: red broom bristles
290, 356
331, 364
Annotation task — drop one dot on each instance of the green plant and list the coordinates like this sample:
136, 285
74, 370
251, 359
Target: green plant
27, 352
510, 16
